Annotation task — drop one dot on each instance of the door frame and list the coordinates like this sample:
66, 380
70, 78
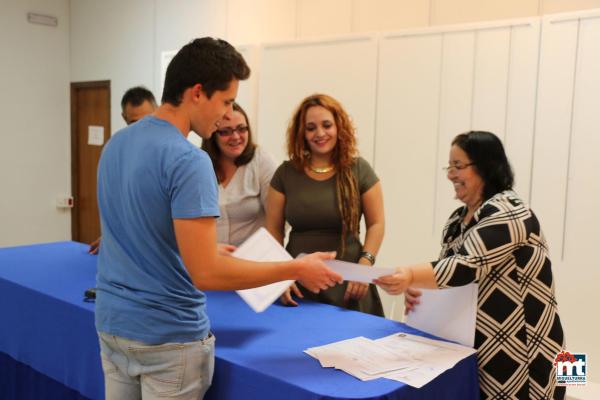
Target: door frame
75, 86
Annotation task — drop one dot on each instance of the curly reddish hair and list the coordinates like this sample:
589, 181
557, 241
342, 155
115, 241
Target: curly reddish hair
343, 157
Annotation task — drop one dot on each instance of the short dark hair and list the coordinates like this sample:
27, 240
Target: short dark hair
212, 148
136, 96
487, 154
213, 63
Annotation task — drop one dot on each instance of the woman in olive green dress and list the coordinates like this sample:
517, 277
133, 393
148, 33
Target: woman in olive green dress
322, 191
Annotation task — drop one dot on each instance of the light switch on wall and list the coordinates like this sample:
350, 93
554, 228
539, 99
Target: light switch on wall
64, 202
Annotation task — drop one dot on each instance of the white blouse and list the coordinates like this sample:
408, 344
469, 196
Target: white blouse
242, 201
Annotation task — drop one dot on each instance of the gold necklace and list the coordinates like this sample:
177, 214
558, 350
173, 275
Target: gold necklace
321, 170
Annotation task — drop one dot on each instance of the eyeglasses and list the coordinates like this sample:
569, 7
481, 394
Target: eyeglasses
226, 132
456, 167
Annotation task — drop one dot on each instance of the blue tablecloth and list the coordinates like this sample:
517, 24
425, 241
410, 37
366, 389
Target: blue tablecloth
46, 325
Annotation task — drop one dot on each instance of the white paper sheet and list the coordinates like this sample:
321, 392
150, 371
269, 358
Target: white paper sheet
447, 313
407, 358
429, 357
416, 377
360, 357
358, 272
261, 246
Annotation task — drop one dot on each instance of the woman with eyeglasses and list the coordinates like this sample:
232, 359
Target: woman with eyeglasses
243, 171
322, 192
495, 240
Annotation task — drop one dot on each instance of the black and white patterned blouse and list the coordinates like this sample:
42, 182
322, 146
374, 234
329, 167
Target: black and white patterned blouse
518, 330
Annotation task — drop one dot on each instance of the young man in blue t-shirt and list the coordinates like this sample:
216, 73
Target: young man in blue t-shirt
158, 200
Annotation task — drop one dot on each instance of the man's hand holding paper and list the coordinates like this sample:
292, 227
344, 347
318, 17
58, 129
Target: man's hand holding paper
327, 279
311, 271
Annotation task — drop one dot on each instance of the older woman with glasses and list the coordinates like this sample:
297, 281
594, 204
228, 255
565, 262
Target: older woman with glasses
495, 240
244, 172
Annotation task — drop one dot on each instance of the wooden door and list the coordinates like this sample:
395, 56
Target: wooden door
90, 129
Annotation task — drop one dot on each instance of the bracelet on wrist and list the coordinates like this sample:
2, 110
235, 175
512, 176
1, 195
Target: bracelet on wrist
368, 256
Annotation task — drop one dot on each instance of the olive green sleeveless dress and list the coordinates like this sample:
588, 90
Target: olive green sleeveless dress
311, 210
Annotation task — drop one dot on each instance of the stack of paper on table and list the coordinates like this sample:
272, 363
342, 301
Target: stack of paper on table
402, 357
261, 246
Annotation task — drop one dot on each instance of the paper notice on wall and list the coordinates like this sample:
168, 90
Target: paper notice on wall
165, 60
95, 135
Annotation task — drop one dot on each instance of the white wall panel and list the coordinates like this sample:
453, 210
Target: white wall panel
505, 89
491, 73
344, 69
583, 213
407, 129
565, 178
406, 139
581, 272
553, 127
248, 90
520, 113
458, 61
433, 85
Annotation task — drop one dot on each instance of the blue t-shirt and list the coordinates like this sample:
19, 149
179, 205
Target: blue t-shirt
148, 175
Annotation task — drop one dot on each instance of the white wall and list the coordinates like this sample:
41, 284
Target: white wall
481, 76
434, 84
128, 37
565, 184
122, 41
116, 43
35, 133
291, 71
